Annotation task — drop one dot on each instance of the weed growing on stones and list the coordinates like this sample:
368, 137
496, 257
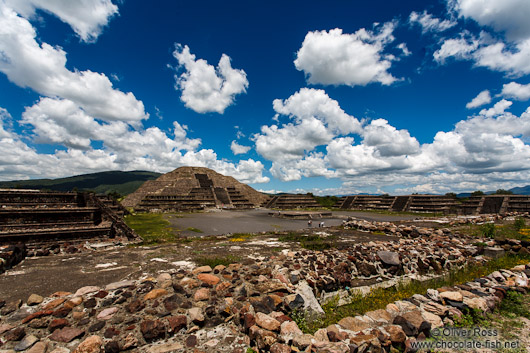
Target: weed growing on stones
488, 230
310, 241
474, 317
214, 261
514, 306
519, 224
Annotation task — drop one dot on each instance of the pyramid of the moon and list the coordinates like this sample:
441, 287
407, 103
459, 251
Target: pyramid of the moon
190, 188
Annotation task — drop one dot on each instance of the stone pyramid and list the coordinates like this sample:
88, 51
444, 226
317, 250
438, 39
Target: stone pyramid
188, 188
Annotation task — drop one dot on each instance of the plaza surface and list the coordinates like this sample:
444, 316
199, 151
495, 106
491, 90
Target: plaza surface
68, 272
259, 220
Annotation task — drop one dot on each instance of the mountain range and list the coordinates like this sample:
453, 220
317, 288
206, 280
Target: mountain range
119, 182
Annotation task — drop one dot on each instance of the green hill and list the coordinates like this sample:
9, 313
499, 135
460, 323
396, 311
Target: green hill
123, 183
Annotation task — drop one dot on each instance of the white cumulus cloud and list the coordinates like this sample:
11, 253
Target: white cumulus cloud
485, 149
86, 17
61, 122
429, 23
509, 16
482, 98
336, 58
460, 48
315, 120
497, 109
504, 42
79, 110
238, 149
516, 90
318, 120
389, 141
206, 88
41, 67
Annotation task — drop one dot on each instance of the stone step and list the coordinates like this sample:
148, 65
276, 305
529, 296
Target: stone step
53, 234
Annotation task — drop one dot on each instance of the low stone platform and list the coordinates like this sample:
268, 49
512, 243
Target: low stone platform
302, 214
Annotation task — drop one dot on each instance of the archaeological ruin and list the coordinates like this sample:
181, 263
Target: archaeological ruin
193, 188
485, 204
37, 218
292, 201
252, 303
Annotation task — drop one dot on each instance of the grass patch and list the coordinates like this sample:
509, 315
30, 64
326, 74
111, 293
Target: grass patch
507, 316
196, 230
237, 237
515, 305
474, 317
378, 298
310, 242
214, 261
515, 230
153, 228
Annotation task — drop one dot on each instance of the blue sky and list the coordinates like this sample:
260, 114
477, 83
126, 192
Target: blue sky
300, 96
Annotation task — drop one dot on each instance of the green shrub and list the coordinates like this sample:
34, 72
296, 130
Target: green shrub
488, 230
514, 306
519, 224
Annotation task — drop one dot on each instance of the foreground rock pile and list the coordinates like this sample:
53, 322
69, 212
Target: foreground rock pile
375, 261
206, 310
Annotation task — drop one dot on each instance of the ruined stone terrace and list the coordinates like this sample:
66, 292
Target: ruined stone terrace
486, 204
292, 201
38, 216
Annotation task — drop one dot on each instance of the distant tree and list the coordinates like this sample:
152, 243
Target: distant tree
326, 201
451, 194
477, 193
503, 192
385, 195
114, 195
